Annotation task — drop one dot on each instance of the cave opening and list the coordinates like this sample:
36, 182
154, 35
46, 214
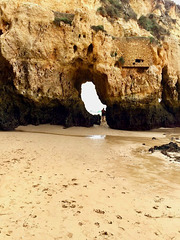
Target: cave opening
90, 98
92, 89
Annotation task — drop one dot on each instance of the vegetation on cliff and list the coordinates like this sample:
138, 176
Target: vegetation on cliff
98, 28
113, 9
63, 17
157, 25
150, 24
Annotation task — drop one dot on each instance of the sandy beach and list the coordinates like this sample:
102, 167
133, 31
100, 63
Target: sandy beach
87, 184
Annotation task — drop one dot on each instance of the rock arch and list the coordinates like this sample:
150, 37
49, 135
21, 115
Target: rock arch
88, 74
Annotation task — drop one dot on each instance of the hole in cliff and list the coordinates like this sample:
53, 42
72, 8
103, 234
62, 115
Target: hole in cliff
117, 64
165, 77
90, 49
55, 52
90, 98
75, 48
95, 94
1, 32
6, 25
38, 90
139, 60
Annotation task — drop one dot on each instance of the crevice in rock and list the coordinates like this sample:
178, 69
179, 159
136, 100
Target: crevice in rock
178, 88
90, 49
167, 91
164, 84
75, 48
6, 25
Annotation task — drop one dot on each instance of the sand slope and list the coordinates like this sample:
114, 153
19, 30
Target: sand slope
60, 183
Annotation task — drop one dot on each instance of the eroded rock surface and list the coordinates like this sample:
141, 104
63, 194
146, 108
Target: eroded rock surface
172, 150
49, 48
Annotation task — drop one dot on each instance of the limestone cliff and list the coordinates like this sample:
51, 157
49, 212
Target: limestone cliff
129, 49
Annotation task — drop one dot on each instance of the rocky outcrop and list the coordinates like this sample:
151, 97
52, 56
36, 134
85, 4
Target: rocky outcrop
170, 150
49, 48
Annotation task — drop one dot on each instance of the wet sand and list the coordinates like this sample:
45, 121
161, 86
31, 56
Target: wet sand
87, 183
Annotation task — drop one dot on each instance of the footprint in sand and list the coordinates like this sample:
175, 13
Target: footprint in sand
74, 184
77, 213
97, 224
104, 233
156, 207
35, 185
168, 207
68, 204
73, 179
99, 211
70, 235
9, 233
25, 225
138, 211
158, 199
48, 191
33, 216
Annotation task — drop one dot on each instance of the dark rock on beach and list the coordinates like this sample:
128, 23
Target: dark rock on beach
166, 149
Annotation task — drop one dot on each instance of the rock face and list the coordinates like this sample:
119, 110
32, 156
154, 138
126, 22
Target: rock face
49, 48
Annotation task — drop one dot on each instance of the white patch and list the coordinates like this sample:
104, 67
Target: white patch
90, 98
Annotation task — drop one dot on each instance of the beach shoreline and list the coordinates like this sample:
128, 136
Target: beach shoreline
87, 183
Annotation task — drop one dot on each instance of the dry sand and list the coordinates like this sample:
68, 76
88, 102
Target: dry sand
87, 184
